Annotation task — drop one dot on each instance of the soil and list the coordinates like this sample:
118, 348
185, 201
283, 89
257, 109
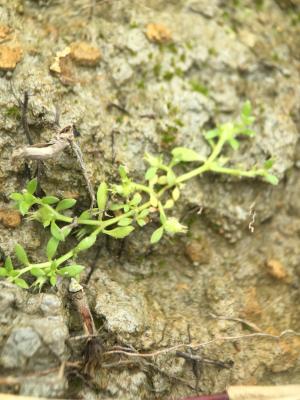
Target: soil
137, 76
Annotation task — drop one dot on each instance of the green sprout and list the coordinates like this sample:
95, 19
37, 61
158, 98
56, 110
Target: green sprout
124, 206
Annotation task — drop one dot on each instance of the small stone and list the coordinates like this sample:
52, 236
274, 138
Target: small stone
56, 65
198, 252
4, 31
252, 308
10, 218
276, 269
21, 345
9, 57
85, 54
121, 71
62, 66
158, 33
50, 304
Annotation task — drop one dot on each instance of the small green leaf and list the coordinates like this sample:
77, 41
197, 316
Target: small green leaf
247, 109
162, 180
162, 215
31, 186
115, 207
126, 207
51, 247
176, 194
3, 272
16, 196
102, 196
153, 200
65, 204
29, 198
21, 283
186, 155
86, 243
234, 143
137, 198
49, 200
269, 163
141, 222
56, 232
144, 213
169, 204
157, 235
71, 270
172, 225
212, 134
120, 233
8, 265
66, 230
53, 280
37, 272
150, 173
85, 215
125, 221
23, 207
153, 161
21, 254
171, 177
123, 172
271, 179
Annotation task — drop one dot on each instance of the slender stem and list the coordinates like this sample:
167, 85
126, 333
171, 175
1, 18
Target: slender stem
143, 188
236, 172
30, 266
65, 257
189, 175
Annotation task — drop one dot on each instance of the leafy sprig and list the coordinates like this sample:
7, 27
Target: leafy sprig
124, 206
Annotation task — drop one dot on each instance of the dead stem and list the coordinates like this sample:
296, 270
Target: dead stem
204, 344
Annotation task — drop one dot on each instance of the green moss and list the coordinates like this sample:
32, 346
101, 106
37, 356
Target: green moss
157, 70
168, 135
178, 122
133, 25
179, 72
168, 75
197, 86
13, 112
141, 84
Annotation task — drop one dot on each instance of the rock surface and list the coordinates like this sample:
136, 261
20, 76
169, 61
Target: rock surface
152, 95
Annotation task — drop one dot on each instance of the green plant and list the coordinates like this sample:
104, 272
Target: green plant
121, 207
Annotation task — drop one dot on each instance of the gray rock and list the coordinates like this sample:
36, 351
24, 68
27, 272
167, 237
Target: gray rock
48, 386
121, 71
125, 313
50, 305
21, 345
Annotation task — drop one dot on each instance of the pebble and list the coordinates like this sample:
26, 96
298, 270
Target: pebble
4, 31
198, 252
21, 345
84, 54
276, 269
158, 33
10, 218
9, 57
